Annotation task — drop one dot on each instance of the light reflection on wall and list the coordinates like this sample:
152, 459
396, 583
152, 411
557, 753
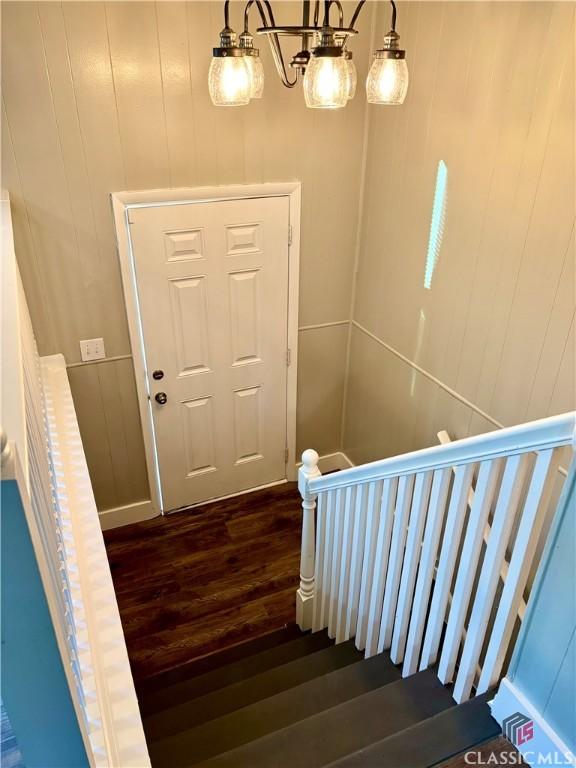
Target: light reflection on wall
437, 223
418, 349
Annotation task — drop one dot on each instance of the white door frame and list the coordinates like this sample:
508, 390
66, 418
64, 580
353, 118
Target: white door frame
122, 203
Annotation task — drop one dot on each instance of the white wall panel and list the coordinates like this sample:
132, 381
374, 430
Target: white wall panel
495, 328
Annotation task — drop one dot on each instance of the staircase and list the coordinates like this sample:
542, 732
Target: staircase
304, 702
418, 567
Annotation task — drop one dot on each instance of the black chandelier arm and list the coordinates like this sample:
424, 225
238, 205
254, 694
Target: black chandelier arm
338, 5
393, 15
316, 12
357, 13
273, 39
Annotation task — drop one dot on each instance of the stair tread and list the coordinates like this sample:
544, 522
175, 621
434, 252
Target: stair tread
222, 701
254, 660
276, 714
329, 735
431, 741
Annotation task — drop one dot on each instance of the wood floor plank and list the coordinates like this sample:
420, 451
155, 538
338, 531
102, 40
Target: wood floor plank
205, 579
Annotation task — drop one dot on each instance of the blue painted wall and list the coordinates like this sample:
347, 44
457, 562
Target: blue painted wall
34, 686
544, 662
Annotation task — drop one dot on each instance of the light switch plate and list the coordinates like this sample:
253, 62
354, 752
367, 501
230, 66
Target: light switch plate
92, 349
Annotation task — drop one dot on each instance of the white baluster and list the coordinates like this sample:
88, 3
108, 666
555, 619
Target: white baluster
321, 553
357, 558
403, 502
389, 489
434, 521
368, 574
506, 509
446, 564
305, 593
533, 516
336, 562
346, 557
410, 564
485, 487
323, 607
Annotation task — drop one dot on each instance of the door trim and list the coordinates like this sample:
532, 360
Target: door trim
122, 203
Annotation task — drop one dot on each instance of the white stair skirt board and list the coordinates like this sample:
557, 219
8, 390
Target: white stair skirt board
126, 514
115, 517
544, 747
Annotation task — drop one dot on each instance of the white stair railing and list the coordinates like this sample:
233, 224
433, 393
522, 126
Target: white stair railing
409, 554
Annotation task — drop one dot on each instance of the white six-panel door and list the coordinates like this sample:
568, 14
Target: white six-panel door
212, 281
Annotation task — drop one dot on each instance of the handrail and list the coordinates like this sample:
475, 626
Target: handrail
538, 435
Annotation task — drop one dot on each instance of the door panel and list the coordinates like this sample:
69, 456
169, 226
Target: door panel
212, 281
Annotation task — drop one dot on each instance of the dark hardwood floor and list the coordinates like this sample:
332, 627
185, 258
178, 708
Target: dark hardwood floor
204, 579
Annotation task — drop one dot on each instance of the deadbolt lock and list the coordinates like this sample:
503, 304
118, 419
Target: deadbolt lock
158, 374
161, 398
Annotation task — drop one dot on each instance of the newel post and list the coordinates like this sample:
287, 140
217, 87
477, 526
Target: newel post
305, 593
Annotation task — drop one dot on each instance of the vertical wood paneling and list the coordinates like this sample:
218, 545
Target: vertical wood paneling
496, 325
37, 147
134, 56
110, 96
177, 93
95, 101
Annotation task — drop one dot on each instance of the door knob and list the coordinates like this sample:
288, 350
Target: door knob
161, 398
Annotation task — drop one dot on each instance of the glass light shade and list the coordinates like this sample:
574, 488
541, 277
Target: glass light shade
256, 74
387, 81
326, 82
352, 78
229, 81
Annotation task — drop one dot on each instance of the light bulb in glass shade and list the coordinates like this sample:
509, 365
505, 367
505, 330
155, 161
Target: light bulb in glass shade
229, 81
352, 76
256, 75
387, 81
326, 82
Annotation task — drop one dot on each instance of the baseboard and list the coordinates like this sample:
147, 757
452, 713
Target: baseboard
332, 462
142, 510
129, 513
533, 737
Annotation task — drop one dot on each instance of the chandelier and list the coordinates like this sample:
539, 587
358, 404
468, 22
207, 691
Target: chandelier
324, 63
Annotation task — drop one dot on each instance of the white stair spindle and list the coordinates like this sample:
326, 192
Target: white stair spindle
446, 563
319, 585
346, 557
305, 594
381, 556
357, 560
504, 514
533, 516
410, 565
437, 507
372, 519
336, 562
324, 603
403, 500
485, 487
